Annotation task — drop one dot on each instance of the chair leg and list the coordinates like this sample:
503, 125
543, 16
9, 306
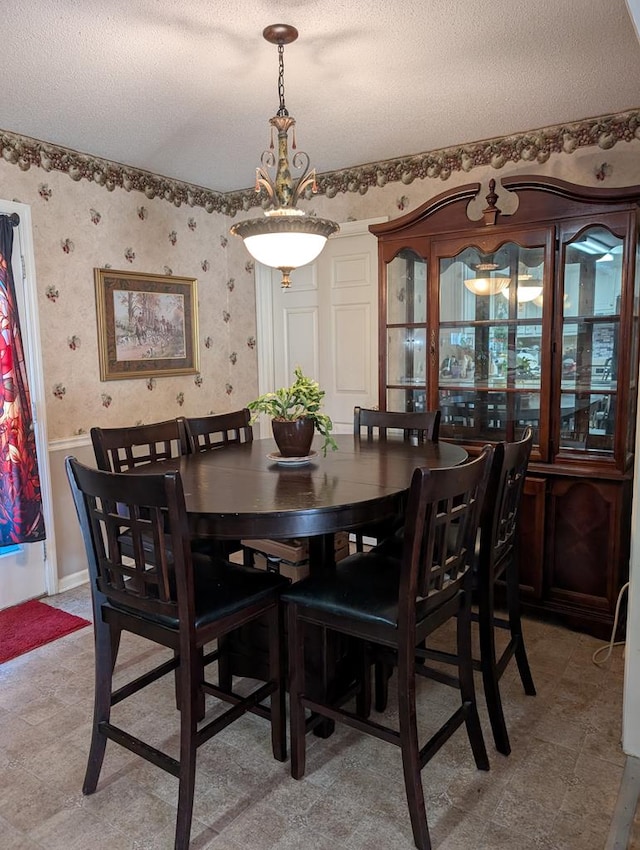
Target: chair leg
490, 676
515, 624
467, 687
276, 666
201, 698
363, 696
326, 727
296, 688
115, 635
185, 798
189, 672
382, 674
410, 748
225, 675
105, 641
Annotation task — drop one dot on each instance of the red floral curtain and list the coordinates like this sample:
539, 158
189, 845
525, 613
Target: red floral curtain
21, 518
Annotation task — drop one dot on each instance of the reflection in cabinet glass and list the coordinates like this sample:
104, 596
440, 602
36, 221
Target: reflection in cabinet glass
490, 340
590, 339
406, 346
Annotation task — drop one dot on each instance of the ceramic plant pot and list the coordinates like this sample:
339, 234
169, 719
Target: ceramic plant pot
293, 438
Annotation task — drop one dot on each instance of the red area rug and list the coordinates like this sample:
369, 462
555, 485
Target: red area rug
32, 624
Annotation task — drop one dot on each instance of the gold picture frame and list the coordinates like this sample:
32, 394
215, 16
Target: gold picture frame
147, 325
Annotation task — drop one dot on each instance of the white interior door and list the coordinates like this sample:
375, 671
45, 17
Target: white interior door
297, 324
29, 570
326, 323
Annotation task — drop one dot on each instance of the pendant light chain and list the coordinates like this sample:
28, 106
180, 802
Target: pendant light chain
283, 111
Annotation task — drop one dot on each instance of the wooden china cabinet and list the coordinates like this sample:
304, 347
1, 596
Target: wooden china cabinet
528, 318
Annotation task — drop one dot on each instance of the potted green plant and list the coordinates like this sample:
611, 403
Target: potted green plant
295, 414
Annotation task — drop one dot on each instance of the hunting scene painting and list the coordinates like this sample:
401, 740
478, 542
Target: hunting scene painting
147, 325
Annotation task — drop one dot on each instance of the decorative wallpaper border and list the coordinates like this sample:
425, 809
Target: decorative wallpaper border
535, 145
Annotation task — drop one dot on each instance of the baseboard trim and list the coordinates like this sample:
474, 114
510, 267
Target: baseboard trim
74, 580
625, 810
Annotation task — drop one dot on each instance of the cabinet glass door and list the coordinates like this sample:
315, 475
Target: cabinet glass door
490, 343
592, 279
406, 378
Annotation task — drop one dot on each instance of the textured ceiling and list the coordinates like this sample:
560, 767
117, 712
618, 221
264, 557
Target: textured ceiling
185, 89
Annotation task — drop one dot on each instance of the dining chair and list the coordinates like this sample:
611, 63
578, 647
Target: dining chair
210, 433
122, 449
178, 600
217, 430
125, 448
415, 427
369, 599
496, 561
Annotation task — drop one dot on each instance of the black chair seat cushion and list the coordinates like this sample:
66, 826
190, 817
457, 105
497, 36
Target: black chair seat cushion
220, 589
365, 587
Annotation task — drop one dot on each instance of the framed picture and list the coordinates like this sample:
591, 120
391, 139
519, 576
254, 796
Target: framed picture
147, 325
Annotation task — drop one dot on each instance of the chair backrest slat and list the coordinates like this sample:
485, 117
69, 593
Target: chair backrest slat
414, 426
121, 449
217, 430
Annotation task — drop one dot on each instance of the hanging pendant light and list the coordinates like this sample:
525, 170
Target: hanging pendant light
285, 237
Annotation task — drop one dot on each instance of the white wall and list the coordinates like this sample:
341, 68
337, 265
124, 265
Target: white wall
72, 560
631, 704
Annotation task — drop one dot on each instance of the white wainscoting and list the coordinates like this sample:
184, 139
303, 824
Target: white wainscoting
70, 554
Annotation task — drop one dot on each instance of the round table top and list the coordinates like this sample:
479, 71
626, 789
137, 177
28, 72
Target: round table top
240, 492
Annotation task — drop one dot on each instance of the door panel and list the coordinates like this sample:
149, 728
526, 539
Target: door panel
300, 341
584, 546
295, 325
351, 349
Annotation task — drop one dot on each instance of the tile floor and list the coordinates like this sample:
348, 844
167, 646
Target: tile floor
634, 835
557, 790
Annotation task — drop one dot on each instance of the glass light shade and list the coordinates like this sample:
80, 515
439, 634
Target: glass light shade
285, 250
487, 285
285, 241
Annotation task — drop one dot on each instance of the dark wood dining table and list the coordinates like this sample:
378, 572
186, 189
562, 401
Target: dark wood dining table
240, 492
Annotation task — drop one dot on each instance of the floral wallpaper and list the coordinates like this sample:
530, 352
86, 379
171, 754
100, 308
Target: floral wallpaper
87, 213
78, 226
